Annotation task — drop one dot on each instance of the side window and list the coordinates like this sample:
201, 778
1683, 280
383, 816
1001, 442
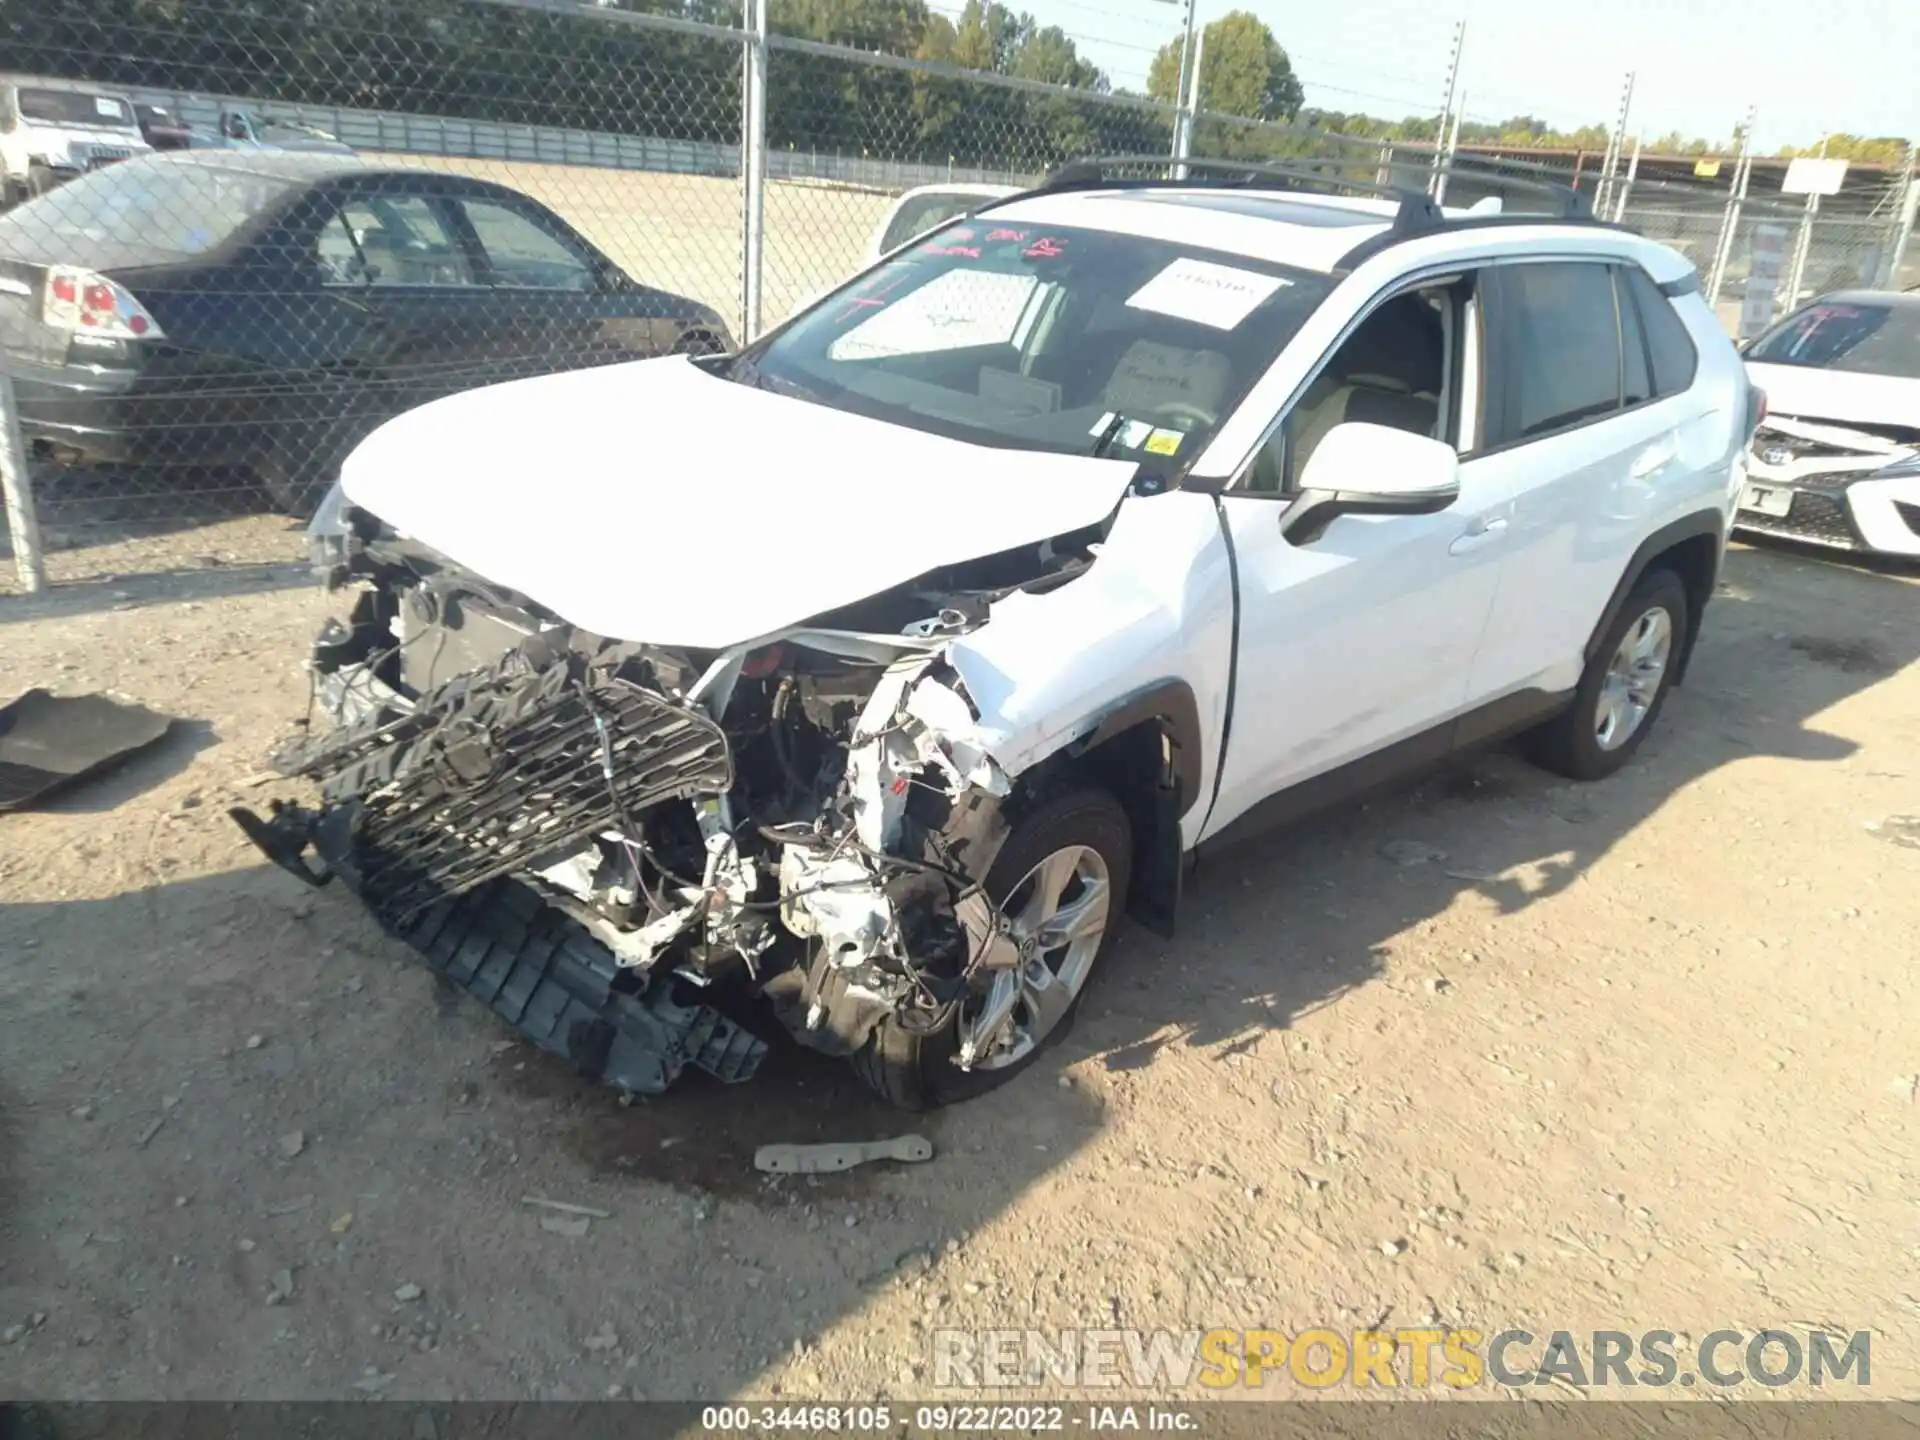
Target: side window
523, 253
341, 262
1671, 348
1636, 375
1558, 340
398, 240
1399, 368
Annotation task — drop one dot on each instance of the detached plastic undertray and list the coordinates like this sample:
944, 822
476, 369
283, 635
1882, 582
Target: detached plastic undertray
48, 742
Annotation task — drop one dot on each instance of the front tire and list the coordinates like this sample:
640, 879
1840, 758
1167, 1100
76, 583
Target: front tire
1061, 880
1624, 686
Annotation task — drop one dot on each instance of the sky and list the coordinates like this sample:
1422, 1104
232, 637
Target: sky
1698, 64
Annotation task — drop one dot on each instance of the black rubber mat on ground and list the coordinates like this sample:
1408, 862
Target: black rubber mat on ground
48, 741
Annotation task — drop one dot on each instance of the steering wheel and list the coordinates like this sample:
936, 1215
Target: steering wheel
1197, 418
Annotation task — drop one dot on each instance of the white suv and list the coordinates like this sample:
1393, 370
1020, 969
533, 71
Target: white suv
877, 670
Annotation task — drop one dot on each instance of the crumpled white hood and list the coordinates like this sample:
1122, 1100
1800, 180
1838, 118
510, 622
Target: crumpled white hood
655, 502
1846, 397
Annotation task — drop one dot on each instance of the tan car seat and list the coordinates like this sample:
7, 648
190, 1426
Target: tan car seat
1388, 373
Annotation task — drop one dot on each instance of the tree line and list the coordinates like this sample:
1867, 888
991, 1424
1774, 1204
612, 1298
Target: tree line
588, 70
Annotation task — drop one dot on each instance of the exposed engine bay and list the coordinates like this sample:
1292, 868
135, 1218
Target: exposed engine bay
631, 852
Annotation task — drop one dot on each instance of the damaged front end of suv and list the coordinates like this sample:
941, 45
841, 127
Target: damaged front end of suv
639, 854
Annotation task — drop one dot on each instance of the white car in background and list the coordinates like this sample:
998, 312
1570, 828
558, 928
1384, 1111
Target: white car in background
1836, 462
930, 206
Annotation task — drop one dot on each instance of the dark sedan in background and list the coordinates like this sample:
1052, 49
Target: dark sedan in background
266, 311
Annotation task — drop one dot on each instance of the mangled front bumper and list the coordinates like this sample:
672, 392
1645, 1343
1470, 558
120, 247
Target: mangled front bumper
429, 814
495, 770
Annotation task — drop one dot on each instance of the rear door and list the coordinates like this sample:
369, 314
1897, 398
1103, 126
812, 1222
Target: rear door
1593, 446
556, 303
393, 254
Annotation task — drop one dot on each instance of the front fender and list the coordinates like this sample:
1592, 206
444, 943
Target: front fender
1145, 634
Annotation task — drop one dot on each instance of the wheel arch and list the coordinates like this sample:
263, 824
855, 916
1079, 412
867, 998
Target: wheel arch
1146, 750
1691, 547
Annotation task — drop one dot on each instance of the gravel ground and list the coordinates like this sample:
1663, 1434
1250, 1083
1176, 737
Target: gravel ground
1494, 1051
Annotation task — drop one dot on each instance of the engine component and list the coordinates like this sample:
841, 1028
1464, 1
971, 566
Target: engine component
837, 900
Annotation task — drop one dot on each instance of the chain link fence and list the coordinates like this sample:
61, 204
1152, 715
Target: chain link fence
361, 206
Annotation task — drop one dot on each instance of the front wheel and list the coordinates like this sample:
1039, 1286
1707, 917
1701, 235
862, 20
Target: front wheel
1060, 880
1624, 686
317, 431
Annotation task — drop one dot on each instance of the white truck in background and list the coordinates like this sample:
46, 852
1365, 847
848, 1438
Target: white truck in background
51, 134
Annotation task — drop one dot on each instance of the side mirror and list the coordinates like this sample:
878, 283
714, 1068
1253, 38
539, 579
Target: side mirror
1361, 469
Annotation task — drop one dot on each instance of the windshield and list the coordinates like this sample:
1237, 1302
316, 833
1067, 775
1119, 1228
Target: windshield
74, 107
1045, 338
1867, 339
140, 212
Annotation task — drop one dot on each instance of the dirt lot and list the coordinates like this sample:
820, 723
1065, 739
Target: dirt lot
1633, 1055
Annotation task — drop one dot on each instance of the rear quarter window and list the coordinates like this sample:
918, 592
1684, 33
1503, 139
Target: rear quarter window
1669, 347
150, 212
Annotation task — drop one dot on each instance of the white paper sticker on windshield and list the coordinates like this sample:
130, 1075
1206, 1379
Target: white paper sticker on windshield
108, 108
1205, 293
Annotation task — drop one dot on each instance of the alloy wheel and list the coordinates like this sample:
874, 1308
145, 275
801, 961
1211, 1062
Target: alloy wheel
1055, 919
1633, 679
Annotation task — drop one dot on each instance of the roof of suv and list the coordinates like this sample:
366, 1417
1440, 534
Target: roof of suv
1303, 229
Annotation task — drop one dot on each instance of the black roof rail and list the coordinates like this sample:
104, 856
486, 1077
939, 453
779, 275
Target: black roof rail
1417, 213
1416, 208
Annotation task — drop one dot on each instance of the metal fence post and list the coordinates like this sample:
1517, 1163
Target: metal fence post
1449, 152
1185, 89
23, 526
753, 163
1626, 189
1903, 226
1802, 247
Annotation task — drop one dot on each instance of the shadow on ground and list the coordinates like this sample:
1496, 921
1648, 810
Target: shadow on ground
429, 1125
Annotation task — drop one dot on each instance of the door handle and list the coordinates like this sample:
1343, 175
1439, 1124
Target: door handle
1481, 531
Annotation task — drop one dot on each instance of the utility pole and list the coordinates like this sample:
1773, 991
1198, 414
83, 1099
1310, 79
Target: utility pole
1616, 144
1451, 149
1633, 173
1434, 185
1730, 221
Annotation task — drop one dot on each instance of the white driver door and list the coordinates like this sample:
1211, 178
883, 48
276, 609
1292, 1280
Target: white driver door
1365, 637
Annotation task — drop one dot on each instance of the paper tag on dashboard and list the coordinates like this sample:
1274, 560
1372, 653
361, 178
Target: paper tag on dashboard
1207, 294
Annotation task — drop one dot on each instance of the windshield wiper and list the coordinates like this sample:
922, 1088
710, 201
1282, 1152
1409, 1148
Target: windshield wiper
1106, 437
